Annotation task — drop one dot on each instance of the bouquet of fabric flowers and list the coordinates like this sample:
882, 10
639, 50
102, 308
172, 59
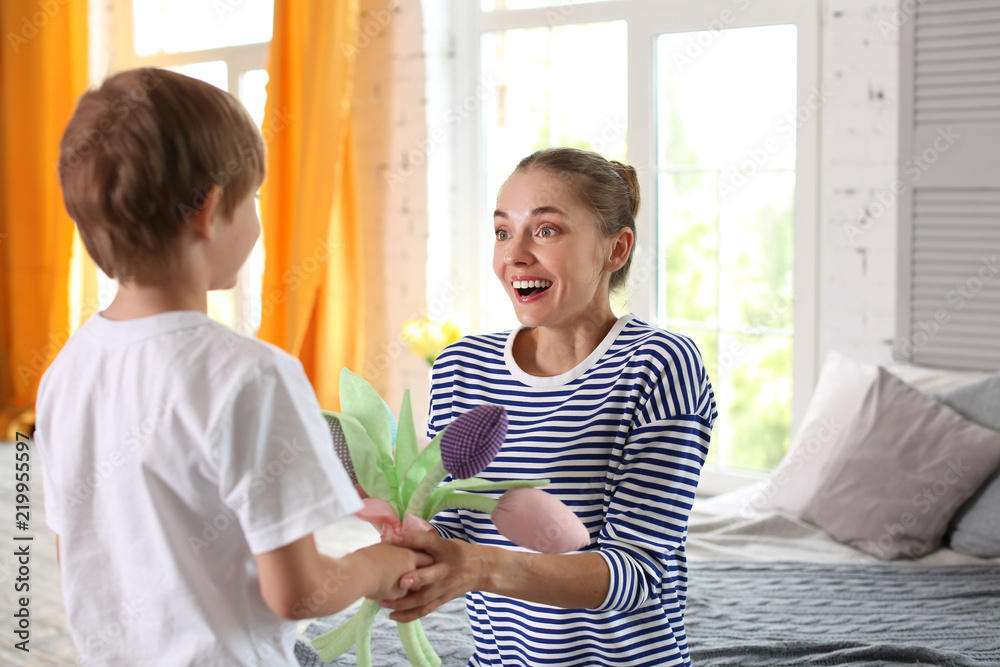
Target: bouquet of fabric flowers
402, 490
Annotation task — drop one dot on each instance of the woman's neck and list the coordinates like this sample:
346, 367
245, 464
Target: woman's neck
547, 351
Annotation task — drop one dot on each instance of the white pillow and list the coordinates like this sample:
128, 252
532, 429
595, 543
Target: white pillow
837, 398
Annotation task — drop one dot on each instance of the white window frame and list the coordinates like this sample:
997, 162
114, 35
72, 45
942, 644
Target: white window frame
646, 20
239, 59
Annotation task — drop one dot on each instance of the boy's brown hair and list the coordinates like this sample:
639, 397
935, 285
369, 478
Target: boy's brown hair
138, 157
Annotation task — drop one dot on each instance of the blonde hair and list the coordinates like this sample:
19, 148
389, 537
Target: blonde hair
608, 188
139, 156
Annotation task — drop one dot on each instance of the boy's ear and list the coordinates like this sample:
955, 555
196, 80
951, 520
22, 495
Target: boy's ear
202, 220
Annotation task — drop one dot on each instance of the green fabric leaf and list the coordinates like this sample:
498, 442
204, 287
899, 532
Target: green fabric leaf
407, 449
415, 643
373, 465
439, 497
480, 484
355, 632
360, 400
426, 461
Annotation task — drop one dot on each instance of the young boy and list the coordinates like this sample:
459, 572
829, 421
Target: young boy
186, 467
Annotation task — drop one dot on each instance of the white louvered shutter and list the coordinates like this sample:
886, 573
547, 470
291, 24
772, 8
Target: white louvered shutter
949, 205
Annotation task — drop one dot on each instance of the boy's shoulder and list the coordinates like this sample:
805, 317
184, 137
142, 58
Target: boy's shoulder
185, 343
222, 351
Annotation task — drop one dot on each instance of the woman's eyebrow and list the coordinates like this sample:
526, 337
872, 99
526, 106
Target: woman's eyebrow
538, 211
548, 209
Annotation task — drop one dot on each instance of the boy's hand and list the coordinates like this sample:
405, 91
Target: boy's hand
457, 568
296, 581
388, 565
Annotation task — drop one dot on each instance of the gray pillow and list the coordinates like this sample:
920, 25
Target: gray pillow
977, 401
905, 465
975, 529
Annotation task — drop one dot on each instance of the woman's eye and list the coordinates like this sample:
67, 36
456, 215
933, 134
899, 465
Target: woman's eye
546, 232
502, 235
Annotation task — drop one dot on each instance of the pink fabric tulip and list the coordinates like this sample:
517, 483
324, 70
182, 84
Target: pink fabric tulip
379, 511
537, 520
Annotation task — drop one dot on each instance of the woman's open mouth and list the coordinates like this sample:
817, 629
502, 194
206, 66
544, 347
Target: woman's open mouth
526, 288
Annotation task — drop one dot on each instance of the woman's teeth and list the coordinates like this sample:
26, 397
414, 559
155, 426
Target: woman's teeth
528, 287
525, 284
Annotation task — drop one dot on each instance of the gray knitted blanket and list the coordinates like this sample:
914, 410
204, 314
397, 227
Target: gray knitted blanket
749, 613
447, 629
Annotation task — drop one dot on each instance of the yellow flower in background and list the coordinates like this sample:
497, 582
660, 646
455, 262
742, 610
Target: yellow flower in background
426, 338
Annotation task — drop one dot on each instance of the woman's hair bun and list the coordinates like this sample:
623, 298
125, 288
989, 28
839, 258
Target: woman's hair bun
631, 178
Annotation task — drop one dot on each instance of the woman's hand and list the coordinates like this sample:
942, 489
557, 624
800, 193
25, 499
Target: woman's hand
458, 568
570, 581
392, 567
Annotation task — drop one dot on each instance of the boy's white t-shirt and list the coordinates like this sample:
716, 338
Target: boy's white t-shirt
173, 451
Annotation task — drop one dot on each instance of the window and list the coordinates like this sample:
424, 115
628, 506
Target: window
543, 78
716, 106
725, 195
223, 43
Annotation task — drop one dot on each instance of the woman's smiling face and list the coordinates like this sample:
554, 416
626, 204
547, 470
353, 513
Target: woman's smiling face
549, 253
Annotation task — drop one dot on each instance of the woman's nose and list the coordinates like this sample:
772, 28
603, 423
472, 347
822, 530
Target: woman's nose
517, 251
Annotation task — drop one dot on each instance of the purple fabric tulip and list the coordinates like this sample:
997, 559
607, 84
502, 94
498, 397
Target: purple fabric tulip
340, 446
470, 442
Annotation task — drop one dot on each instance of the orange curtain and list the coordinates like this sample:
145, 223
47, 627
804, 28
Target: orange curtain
43, 70
312, 303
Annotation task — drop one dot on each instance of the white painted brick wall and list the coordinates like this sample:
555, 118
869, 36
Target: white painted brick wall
858, 158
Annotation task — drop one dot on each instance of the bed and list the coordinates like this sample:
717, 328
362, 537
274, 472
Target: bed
770, 589
818, 565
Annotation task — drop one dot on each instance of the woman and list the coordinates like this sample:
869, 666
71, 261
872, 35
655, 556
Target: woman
616, 413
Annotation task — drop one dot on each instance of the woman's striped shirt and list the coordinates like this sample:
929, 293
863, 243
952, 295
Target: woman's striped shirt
623, 437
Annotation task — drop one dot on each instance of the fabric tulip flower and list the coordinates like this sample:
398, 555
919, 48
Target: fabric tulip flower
466, 447
472, 441
539, 521
525, 515
340, 445
378, 511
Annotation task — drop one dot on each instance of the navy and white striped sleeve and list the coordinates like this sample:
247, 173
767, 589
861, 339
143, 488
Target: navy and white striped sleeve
653, 487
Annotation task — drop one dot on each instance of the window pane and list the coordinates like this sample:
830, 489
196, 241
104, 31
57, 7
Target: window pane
540, 92
194, 25
689, 246
215, 72
726, 160
753, 384
253, 93
727, 100
755, 258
